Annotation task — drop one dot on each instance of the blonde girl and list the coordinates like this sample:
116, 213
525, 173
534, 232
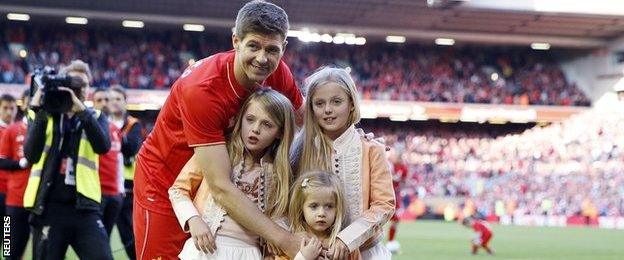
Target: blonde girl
329, 142
258, 149
317, 210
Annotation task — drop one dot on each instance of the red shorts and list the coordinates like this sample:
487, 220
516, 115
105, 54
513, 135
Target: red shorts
482, 240
156, 236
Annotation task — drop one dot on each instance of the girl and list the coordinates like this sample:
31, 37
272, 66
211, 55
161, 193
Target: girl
258, 149
317, 208
329, 142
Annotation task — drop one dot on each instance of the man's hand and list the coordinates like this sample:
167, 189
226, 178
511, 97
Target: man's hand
77, 106
202, 236
291, 244
310, 248
339, 250
35, 101
23, 163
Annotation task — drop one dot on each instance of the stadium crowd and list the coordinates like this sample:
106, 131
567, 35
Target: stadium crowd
154, 59
572, 168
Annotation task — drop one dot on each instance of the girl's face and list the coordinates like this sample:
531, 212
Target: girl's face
332, 106
319, 209
258, 130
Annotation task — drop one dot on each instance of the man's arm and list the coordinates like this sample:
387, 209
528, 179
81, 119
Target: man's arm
131, 142
8, 164
215, 166
35, 139
96, 130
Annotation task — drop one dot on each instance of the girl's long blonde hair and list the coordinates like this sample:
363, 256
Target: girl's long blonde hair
311, 155
280, 110
299, 191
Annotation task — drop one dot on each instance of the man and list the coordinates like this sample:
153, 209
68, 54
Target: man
110, 167
195, 118
482, 235
63, 191
132, 135
399, 176
8, 110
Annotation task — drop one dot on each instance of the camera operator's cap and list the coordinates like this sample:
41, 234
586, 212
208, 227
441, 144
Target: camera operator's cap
619, 87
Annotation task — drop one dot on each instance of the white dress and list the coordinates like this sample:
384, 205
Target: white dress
228, 247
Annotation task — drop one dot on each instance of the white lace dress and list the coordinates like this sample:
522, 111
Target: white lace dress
234, 242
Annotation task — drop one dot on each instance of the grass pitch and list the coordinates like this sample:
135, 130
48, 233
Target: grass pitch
440, 240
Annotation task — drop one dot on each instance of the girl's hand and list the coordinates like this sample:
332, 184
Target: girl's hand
202, 236
310, 248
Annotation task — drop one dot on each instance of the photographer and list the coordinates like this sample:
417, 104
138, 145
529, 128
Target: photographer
63, 191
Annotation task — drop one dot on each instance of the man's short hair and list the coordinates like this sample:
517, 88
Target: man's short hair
119, 89
97, 90
78, 66
26, 93
261, 17
7, 98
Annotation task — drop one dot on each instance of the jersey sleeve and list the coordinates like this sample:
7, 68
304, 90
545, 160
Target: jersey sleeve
284, 82
203, 115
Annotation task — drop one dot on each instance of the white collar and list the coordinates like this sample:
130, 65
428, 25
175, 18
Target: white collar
345, 139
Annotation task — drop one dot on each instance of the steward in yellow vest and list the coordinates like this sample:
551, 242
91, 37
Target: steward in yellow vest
63, 191
65, 151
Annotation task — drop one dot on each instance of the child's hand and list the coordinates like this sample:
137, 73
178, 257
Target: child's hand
202, 236
310, 248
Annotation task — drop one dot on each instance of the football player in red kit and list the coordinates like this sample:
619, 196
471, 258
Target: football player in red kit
399, 175
483, 234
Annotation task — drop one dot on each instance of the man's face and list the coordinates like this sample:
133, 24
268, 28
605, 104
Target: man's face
25, 101
100, 100
257, 57
8, 111
116, 102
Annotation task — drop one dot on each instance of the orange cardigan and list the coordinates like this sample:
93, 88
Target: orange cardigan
375, 191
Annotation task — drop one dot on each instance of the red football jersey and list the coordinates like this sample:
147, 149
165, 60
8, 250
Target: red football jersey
199, 111
12, 147
109, 166
482, 228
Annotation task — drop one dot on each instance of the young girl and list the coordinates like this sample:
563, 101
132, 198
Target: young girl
330, 142
317, 208
258, 149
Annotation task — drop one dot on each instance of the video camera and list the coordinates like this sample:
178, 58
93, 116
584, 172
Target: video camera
55, 101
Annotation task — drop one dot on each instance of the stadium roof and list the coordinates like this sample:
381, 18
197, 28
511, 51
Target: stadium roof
371, 18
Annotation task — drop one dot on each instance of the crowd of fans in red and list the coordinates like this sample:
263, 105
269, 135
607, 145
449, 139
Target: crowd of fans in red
572, 168
153, 59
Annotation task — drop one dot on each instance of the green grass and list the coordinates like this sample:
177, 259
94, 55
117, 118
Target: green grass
439, 240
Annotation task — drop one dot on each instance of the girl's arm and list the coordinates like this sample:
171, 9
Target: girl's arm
381, 204
183, 191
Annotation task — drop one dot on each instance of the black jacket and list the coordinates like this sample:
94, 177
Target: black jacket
96, 130
131, 141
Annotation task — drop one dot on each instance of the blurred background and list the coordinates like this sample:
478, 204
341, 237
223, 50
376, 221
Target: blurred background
507, 111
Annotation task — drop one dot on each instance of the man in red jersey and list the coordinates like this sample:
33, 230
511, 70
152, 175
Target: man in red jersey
399, 175
110, 167
197, 115
16, 168
483, 234
8, 110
